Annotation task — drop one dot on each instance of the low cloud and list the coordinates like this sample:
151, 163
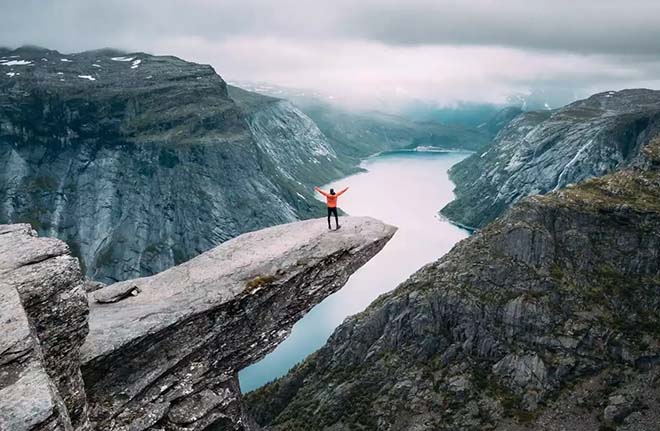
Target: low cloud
370, 52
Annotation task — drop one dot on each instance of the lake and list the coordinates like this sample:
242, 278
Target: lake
402, 188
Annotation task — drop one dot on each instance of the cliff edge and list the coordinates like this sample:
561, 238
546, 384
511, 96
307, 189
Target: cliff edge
162, 351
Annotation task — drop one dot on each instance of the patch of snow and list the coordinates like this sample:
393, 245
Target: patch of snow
65, 60
96, 65
122, 59
547, 106
44, 59
16, 63
578, 157
87, 77
136, 63
12, 74
149, 77
60, 73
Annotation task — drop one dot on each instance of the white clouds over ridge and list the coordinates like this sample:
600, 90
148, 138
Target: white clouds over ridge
443, 50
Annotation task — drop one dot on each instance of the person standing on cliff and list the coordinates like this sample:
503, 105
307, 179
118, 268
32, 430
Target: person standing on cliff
331, 200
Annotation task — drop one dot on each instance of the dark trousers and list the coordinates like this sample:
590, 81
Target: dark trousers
330, 212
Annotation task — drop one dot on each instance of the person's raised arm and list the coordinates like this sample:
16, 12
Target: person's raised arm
342, 192
318, 189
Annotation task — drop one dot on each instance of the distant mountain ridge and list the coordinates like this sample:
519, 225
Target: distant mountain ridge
355, 133
541, 151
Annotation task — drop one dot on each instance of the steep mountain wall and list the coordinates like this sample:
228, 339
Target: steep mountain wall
539, 152
141, 162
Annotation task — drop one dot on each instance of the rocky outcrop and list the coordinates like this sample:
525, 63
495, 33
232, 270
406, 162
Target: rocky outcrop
43, 313
163, 351
142, 162
539, 152
546, 319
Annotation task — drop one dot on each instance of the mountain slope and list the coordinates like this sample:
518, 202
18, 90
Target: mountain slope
141, 162
499, 121
546, 319
291, 141
542, 151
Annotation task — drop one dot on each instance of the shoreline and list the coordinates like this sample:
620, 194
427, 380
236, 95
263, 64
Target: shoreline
443, 239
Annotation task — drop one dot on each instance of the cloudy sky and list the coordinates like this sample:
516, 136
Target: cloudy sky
370, 51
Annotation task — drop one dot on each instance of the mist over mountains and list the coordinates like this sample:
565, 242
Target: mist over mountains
463, 113
160, 232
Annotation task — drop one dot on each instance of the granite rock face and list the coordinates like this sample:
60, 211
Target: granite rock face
542, 151
43, 311
546, 319
292, 143
142, 162
160, 352
163, 351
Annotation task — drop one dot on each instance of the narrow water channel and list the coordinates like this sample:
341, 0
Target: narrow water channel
402, 188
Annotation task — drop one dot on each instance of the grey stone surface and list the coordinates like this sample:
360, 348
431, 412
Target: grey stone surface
43, 312
162, 350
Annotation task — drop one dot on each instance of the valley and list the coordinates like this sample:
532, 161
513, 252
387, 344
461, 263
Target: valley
405, 189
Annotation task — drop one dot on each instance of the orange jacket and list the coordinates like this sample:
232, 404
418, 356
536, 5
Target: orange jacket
331, 199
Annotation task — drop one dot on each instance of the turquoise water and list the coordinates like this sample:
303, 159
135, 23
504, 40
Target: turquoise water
405, 189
